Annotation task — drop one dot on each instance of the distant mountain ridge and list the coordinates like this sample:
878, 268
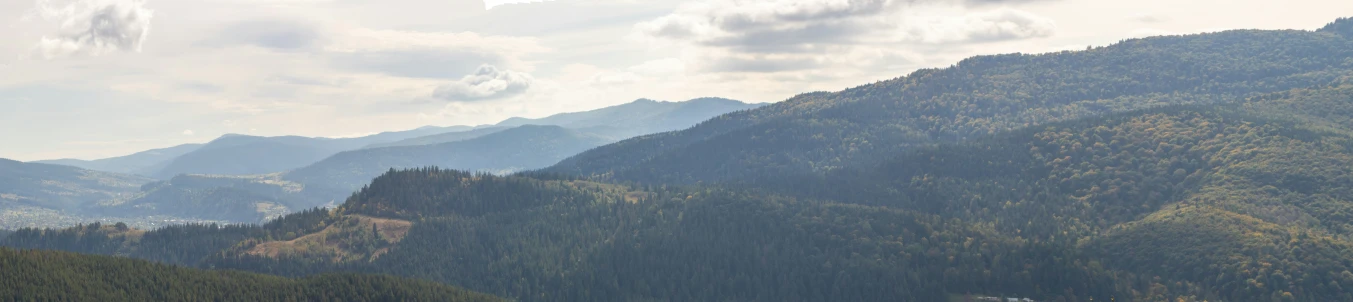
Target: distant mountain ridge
239, 154
825, 131
643, 116
145, 163
520, 148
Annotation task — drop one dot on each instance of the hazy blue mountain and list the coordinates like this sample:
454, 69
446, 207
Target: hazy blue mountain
141, 163
643, 116
520, 148
234, 154
442, 138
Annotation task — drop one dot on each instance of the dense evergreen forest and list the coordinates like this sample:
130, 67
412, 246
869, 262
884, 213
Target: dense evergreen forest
977, 97
60, 276
1214, 167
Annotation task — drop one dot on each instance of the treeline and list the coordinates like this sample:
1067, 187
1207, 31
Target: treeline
187, 245
978, 97
1241, 205
29, 275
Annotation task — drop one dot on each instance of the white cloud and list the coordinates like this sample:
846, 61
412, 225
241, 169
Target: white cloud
614, 78
428, 54
664, 66
93, 27
770, 36
488, 82
188, 132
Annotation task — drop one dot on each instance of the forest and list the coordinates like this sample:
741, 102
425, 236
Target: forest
1220, 170
61, 276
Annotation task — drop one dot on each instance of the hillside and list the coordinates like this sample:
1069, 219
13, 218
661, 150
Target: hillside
1253, 192
36, 194
979, 96
143, 163
516, 149
639, 117
440, 138
1211, 167
245, 199
252, 155
61, 276
577, 240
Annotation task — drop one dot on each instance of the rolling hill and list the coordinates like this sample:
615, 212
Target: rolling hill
38, 194
1211, 167
143, 163
517, 149
61, 276
643, 116
618, 122
979, 96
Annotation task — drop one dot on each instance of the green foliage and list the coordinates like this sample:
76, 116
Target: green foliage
980, 96
60, 276
1343, 26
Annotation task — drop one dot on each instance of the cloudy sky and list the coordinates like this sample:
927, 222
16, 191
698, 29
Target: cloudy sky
99, 78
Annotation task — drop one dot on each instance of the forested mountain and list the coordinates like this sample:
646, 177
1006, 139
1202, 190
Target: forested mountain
1211, 167
979, 96
141, 163
643, 116
1216, 203
31, 193
250, 155
618, 122
247, 199
516, 149
61, 276
441, 138
573, 240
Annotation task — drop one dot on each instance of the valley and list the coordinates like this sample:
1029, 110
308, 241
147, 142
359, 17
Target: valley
1215, 166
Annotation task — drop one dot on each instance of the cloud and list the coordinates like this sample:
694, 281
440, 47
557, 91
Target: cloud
767, 36
277, 34
94, 27
488, 82
613, 79
997, 25
188, 132
427, 54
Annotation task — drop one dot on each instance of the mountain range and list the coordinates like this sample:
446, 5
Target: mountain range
239, 178
1207, 167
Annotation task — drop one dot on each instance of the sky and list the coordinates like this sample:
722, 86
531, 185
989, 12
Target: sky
92, 79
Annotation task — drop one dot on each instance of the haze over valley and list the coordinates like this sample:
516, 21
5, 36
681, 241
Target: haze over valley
820, 150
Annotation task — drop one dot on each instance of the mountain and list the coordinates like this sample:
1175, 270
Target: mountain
575, 240
637, 118
61, 276
243, 199
516, 149
252, 155
140, 163
1252, 194
34, 194
820, 132
234, 154
1210, 167
441, 138
628, 120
